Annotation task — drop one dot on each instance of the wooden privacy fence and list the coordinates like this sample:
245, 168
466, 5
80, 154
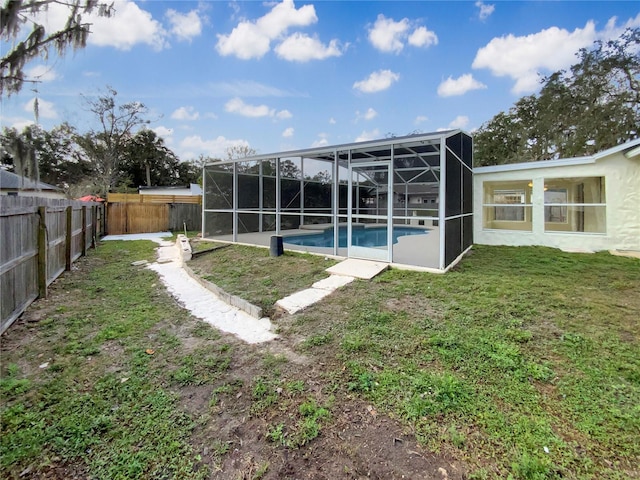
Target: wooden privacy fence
137, 198
136, 218
127, 213
41, 238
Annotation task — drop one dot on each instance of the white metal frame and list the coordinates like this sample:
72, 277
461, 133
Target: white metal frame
355, 251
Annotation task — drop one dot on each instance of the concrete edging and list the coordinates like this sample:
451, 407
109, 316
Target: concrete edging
237, 302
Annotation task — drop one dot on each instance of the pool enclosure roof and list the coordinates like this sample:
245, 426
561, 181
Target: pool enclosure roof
418, 146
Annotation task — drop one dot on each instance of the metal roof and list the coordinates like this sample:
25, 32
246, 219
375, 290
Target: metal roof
12, 181
422, 144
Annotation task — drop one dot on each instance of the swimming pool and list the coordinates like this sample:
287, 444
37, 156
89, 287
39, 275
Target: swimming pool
362, 237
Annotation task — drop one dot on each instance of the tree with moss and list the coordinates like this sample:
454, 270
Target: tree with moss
20, 16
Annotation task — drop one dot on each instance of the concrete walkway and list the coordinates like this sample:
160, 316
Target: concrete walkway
202, 303
208, 306
342, 274
319, 290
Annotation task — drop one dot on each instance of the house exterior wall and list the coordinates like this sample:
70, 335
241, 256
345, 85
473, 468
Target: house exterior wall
621, 196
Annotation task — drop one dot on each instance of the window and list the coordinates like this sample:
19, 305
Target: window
575, 205
554, 201
511, 211
507, 205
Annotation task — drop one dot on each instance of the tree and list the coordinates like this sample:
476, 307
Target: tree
105, 147
14, 14
237, 151
21, 151
593, 106
148, 161
58, 160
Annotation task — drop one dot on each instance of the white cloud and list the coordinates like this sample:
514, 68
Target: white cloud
41, 73
195, 145
283, 115
612, 31
185, 113
322, 141
461, 121
302, 48
185, 26
253, 39
365, 136
459, 86
420, 119
389, 36
247, 88
163, 132
332, 121
377, 81
422, 37
246, 41
370, 114
45, 109
18, 123
237, 105
128, 26
523, 58
485, 10
288, 132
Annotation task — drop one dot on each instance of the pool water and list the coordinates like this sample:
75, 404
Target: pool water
362, 237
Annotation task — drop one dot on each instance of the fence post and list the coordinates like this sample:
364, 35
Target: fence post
94, 226
68, 245
42, 252
84, 230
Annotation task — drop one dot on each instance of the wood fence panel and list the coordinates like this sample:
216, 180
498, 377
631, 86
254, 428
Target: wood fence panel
181, 214
76, 233
24, 253
18, 263
145, 218
116, 218
56, 223
137, 218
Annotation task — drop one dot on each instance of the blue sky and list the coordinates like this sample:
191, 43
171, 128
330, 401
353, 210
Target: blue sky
288, 75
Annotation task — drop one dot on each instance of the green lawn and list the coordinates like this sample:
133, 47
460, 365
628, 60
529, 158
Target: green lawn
521, 363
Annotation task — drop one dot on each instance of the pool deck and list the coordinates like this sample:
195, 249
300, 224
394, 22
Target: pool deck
411, 251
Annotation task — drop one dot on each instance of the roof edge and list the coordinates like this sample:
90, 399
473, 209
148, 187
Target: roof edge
561, 162
443, 134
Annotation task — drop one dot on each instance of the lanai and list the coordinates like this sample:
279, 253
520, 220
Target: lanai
403, 200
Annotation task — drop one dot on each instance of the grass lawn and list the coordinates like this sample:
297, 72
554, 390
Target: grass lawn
521, 363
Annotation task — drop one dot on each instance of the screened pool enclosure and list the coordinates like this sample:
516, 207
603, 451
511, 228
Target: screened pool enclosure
403, 200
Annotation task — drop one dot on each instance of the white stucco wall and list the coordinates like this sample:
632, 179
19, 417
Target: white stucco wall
622, 196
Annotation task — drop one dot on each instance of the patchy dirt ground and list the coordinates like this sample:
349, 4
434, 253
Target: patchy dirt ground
233, 436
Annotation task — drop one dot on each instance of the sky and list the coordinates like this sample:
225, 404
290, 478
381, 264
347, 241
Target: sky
279, 76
